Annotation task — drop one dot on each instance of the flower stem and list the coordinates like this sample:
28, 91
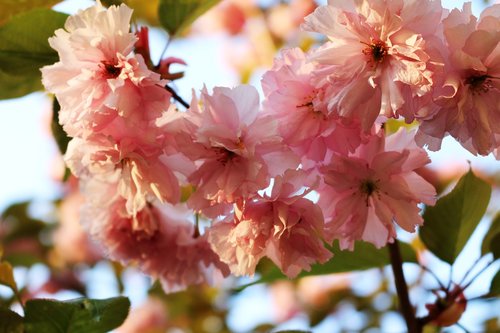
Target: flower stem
405, 306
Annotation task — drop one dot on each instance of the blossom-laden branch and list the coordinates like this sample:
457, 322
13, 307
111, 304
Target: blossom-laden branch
252, 168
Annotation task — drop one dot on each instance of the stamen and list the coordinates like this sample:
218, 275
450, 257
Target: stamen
479, 83
368, 186
111, 71
377, 50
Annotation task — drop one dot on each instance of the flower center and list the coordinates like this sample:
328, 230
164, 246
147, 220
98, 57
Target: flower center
368, 186
309, 107
377, 50
479, 83
225, 155
110, 70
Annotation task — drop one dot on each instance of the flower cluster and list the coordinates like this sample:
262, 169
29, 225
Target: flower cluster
310, 165
129, 169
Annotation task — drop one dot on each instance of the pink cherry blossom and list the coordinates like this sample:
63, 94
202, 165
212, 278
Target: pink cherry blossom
72, 244
469, 99
300, 107
365, 192
241, 242
139, 173
151, 316
377, 54
98, 78
236, 149
161, 240
285, 226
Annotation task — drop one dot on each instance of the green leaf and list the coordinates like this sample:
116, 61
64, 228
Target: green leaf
76, 316
14, 7
7, 276
24, 48
450, 223
495, 285
365, 256
492, 232
495, 246
13, 86
177, 15
10, 322
62, 139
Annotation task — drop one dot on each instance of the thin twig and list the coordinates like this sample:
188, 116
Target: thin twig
169, 39
425, 268
470, 270
450, 281
462, 327
177, 97
478, 273
402, 288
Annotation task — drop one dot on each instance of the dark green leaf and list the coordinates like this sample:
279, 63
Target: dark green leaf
13, 86
10, 322
365, 256
24, 48
58, 132
25, 258
492, 232
109, 3
495, 285
495, 246
177, 15
76, 316
18, 223
450, 223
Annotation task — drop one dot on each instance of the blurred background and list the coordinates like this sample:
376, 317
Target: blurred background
233, 43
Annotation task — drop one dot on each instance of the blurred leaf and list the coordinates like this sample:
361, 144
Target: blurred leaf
393, 125
109, 3
75, 316
14, 7
10, 322
147, 10
186, 192
177, 15
495, 285
62, 139
1, 251
495, 246
24, 48
365, 256
18, 222
25, 259
143, 10
492, 232
7, 276
13, 86
450, 223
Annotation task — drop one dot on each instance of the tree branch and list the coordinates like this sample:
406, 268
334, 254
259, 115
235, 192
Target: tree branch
405, 306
